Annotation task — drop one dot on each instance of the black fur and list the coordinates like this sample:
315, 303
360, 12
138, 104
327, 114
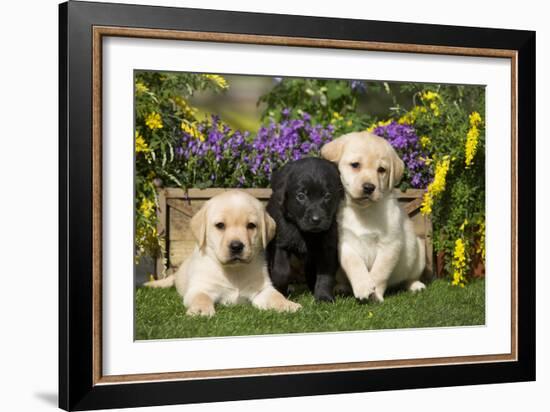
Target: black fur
305, 199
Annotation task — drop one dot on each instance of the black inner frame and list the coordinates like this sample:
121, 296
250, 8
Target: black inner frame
76, 388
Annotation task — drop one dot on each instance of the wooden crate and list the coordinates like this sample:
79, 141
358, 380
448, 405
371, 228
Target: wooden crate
177, 207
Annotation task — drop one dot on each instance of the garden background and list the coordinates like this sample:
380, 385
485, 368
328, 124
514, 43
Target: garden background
208, 130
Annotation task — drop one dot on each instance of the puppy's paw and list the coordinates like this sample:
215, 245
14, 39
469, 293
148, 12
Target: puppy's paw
288, 306
324, 296
364, 289
207, 311
416, 286
343, 289
324, 286
271, 299
377, 296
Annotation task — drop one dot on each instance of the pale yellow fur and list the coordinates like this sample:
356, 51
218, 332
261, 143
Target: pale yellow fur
377, 244
209, 276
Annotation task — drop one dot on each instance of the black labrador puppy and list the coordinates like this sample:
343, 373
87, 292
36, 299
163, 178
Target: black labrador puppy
305, 199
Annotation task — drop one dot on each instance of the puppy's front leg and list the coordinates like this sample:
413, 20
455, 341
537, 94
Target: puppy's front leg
353, 264
382, 268
280, 270
324, 271
270, 298
199, 304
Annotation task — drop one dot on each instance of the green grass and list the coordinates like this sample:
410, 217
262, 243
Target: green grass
160, 313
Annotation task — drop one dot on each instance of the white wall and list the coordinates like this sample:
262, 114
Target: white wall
28, 201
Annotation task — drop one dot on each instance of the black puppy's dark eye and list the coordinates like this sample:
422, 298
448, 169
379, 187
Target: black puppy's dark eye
300, 196
355, 165
381, 170
327, 197
251, 226
220, 225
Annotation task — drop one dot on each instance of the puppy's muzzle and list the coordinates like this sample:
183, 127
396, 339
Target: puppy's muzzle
368, 188
236, 247
315, 219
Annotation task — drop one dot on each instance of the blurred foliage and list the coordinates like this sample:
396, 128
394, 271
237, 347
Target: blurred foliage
327, 101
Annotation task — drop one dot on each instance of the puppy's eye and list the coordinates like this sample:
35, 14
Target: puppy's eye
300, 196
355, 165
251, 226
327, 197
381, 170
220, 225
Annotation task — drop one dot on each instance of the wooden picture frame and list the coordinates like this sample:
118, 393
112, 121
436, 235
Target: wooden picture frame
82, 385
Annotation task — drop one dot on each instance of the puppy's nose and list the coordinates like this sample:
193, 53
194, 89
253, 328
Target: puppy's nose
368, 188
315, 219
236, 246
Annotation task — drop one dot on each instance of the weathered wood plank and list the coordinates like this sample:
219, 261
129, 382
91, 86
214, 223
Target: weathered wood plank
260, 193
160, 266
179, 251
180, 206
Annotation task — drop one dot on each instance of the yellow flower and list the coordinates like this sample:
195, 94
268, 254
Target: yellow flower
141, 88
192, 131
427, 160
184, 106
475, 119
463, 225
429, 96
349, 123
481, 240
425, 141
336, 117
147, 207
472, 138
433, 99
141, 144
435, 108
411, 116
459, 263
217, 80
437, 186
154, 121
427, 204
379, 124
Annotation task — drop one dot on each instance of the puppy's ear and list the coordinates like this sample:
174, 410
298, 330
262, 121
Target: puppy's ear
332, 151
278, 184
268, 229
198, 226
397, 168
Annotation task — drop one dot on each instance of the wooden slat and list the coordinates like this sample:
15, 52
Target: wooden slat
180, 206
179, 251
162, 213
260, 193
410, 207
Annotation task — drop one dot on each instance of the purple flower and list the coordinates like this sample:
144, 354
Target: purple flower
405, 141
358, 86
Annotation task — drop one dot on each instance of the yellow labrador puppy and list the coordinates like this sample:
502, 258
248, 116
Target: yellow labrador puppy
378, 247
228, 265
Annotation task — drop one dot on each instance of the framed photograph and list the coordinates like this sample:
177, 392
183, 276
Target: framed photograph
256, 206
